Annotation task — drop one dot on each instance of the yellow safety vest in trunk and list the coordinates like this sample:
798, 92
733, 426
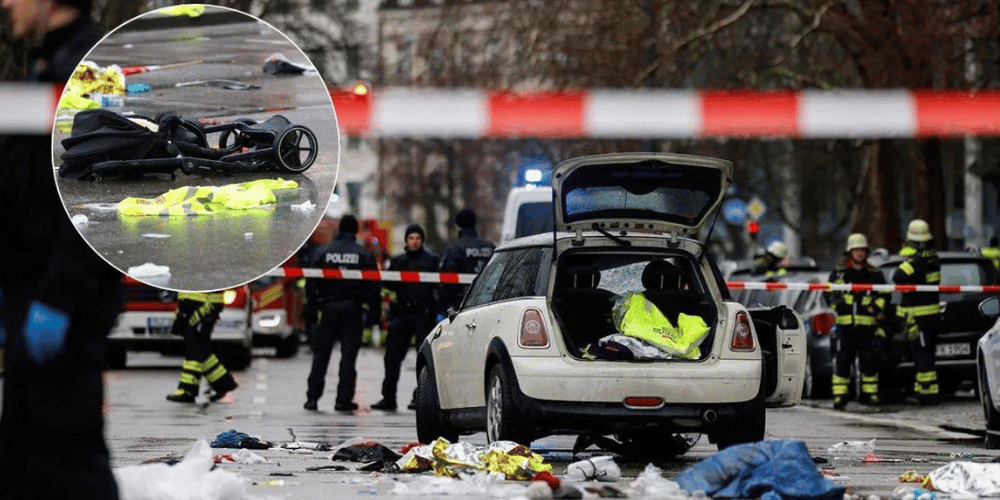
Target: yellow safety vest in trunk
204, 200
639, 318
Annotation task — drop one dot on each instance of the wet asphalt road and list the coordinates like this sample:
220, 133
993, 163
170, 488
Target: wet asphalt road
142, 426
217, 251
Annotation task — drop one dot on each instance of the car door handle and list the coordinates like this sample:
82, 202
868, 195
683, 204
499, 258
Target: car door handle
471, 326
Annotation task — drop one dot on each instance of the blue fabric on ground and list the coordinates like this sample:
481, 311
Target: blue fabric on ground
234, 439
779, 469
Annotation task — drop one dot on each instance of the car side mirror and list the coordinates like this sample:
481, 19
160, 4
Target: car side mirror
452, 313
990, 307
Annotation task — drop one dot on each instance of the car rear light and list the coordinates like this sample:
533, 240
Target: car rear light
643, 402
823, 323
236, 297
532, 330
742, 334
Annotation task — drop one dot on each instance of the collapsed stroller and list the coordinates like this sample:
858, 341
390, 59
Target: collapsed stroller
105, 144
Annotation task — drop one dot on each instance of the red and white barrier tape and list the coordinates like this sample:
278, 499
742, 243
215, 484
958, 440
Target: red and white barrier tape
615, 113
466, 278
374, 275
855, 287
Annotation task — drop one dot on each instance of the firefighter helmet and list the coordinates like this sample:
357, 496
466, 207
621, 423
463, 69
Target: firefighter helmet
918, 231
778, 250
856, 240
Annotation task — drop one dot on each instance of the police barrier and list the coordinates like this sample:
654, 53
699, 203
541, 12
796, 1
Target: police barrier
614, 113
466, 278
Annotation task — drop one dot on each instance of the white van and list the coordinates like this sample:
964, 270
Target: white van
528, 211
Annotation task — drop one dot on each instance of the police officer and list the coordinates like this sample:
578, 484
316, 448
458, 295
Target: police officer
857, 323
770, 263
58, 299
921, 311
468, 254
411, 315
343, 316
197, 313
992, 251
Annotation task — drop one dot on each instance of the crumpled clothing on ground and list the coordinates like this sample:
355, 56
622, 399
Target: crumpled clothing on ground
514, 461
234, 439
969, 478
205, 200
770, 470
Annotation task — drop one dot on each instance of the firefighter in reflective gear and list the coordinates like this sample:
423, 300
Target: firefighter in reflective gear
411, 315
343, 315
921, 311
858, 316
992, 252
468, 254
769, 264
197, 313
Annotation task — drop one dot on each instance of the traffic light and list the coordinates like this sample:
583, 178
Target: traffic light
752, 229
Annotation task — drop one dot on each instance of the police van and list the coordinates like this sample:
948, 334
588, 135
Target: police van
528, 211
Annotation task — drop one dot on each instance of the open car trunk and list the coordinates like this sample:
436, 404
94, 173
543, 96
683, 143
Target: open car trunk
590, 284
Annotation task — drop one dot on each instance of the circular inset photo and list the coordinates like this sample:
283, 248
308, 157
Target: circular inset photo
195, 148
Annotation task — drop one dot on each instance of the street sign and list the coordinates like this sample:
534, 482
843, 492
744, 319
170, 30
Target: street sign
756, 208
734, 211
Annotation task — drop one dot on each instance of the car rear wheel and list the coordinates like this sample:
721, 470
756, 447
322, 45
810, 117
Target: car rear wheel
117, 357
500, 419
288, 346
430, 425
989, 411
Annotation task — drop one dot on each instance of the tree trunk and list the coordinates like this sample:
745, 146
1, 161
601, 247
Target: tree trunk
928, 195
878, 213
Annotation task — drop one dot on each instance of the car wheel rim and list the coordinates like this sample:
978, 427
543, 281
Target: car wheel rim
493, 413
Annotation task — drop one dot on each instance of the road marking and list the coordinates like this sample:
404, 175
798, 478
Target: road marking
890, 420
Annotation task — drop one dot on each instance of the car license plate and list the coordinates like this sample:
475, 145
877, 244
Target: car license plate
159, 325
951, 350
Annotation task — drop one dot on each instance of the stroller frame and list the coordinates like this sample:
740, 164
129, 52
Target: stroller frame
245, 145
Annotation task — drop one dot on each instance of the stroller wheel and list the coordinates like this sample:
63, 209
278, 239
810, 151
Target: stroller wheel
296, 149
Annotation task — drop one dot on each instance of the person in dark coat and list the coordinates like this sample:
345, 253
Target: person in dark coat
342, 303
468, 254
411, 314
58, 298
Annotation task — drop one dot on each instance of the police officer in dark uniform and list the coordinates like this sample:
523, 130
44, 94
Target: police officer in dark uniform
342, 303
58, 299
468, 254
412, 313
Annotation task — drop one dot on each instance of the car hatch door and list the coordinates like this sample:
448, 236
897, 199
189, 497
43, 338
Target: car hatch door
783, 339
655, 192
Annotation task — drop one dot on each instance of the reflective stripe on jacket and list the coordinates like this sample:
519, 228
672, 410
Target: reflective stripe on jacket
857, 308
921, 268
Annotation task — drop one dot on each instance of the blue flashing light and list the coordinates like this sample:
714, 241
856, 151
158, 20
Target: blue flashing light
533, 175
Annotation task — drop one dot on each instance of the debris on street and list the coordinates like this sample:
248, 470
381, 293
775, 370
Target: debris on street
966, 478
195, 476
780, 468
596, 468
513, 460
235, 439
851, 449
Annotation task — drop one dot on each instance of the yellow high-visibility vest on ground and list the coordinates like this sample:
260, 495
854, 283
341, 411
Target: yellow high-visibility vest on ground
204, 200
637, 317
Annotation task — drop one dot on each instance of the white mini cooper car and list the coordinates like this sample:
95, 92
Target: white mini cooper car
539, 347
988, 371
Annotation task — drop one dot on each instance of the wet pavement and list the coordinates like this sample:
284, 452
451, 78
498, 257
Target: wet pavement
142, 426
222, 250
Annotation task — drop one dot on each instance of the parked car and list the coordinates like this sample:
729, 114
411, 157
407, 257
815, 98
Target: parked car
961, 328
819, 321
516, 360
988, 372
147, 315
277, 318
